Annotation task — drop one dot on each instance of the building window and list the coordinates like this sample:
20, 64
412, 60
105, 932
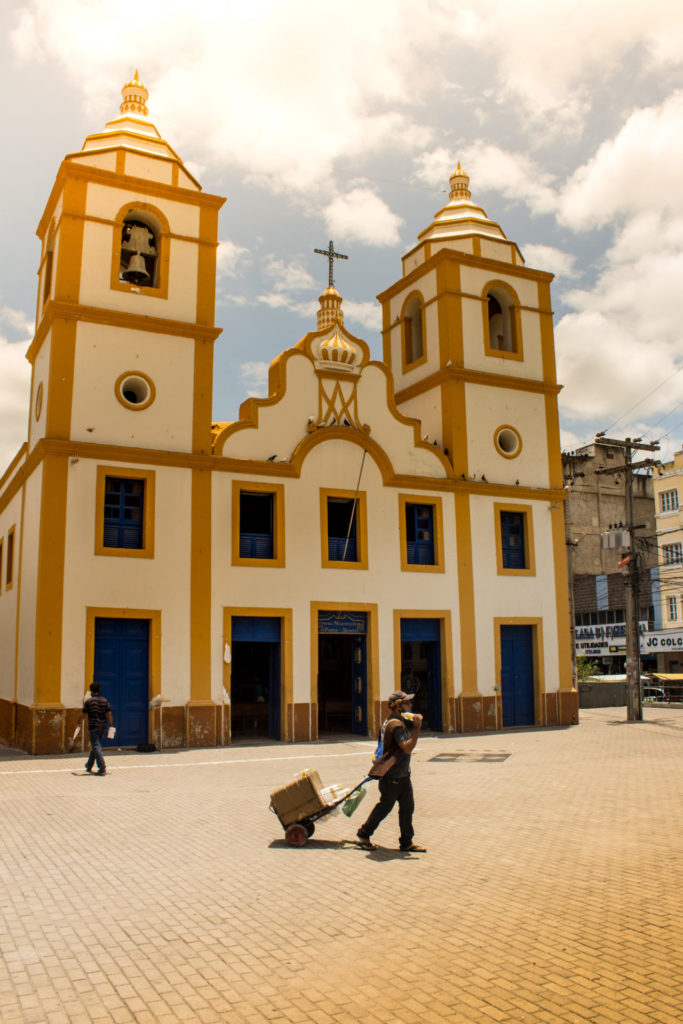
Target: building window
413, 331
502, 336
420, 534
125, 512
514, 540
421, 528
673, 609
258, 524
343, 529
668, 501
9, 568
673, 553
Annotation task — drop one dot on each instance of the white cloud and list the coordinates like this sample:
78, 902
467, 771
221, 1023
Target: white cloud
231, 259
254, 376
369, 314
361, 215
547, 257
15, 378
288, 275
639, 169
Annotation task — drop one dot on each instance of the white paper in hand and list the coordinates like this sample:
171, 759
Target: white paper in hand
111, 732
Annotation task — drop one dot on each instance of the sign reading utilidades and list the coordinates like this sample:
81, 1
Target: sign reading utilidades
601, 641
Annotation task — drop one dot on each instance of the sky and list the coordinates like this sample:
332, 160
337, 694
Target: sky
344, 122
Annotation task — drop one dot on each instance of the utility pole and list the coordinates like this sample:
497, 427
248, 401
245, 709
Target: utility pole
631, 560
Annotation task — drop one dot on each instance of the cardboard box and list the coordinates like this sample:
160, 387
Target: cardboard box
298, 799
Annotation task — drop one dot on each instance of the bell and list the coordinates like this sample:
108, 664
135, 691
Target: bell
136, 271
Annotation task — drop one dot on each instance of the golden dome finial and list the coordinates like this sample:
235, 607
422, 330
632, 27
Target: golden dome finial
134, 97
459, 182
330, 311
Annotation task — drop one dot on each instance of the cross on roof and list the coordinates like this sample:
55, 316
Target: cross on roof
331, 255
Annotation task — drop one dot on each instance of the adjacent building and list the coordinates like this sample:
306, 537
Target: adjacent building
595, 483
369, 524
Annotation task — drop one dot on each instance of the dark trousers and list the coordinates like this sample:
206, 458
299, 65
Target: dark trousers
391, 792
96, 749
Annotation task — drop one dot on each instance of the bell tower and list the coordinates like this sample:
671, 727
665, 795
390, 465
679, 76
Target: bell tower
468, 336
123, 351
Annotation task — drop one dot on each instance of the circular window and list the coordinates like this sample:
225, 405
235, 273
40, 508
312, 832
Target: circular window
508, 442
39, 400
135, 390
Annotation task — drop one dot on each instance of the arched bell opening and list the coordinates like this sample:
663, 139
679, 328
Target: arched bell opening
140, 236
502, 333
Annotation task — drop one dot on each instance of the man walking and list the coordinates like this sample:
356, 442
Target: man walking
400, 733
98, 710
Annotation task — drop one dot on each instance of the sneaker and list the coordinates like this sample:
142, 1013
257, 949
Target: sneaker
88, 769
102, 771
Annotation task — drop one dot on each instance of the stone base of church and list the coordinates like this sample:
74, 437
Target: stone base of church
49, 728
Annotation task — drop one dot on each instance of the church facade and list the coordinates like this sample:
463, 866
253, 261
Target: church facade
369, 525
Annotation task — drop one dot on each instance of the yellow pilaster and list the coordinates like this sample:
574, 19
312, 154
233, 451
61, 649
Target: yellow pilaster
200, 588
50, 581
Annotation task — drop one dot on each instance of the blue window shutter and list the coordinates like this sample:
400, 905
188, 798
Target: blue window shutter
124, 508
256, 525
420, 534
512, 540
342, 517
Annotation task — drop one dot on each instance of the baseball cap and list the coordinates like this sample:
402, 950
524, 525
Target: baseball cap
398, 696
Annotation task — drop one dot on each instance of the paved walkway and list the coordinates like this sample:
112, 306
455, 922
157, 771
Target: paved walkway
165, 892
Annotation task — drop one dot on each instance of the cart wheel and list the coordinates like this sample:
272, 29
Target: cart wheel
296, 835
310, 828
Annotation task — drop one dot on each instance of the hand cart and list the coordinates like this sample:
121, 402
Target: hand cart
298, 820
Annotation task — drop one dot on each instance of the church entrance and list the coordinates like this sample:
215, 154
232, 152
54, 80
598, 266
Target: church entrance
517, 675
342, 672
421, 668
121, 667
255, 677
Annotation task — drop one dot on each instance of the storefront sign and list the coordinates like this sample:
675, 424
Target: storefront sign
603, 641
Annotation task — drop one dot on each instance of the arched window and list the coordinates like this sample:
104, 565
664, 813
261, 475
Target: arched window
139, 250
49, 258
501, 323
413, 340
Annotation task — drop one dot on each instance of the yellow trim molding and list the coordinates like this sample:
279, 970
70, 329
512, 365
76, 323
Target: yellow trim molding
437, 521
121, 472
526, 512
278, 492
361, 514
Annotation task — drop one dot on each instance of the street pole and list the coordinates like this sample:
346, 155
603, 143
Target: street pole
628, 446
634, 705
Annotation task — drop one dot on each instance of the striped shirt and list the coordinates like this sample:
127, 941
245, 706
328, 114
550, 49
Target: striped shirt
96, 709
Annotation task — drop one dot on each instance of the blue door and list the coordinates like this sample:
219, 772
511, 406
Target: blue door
517, 675
122, 670
421, 667
255, 681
